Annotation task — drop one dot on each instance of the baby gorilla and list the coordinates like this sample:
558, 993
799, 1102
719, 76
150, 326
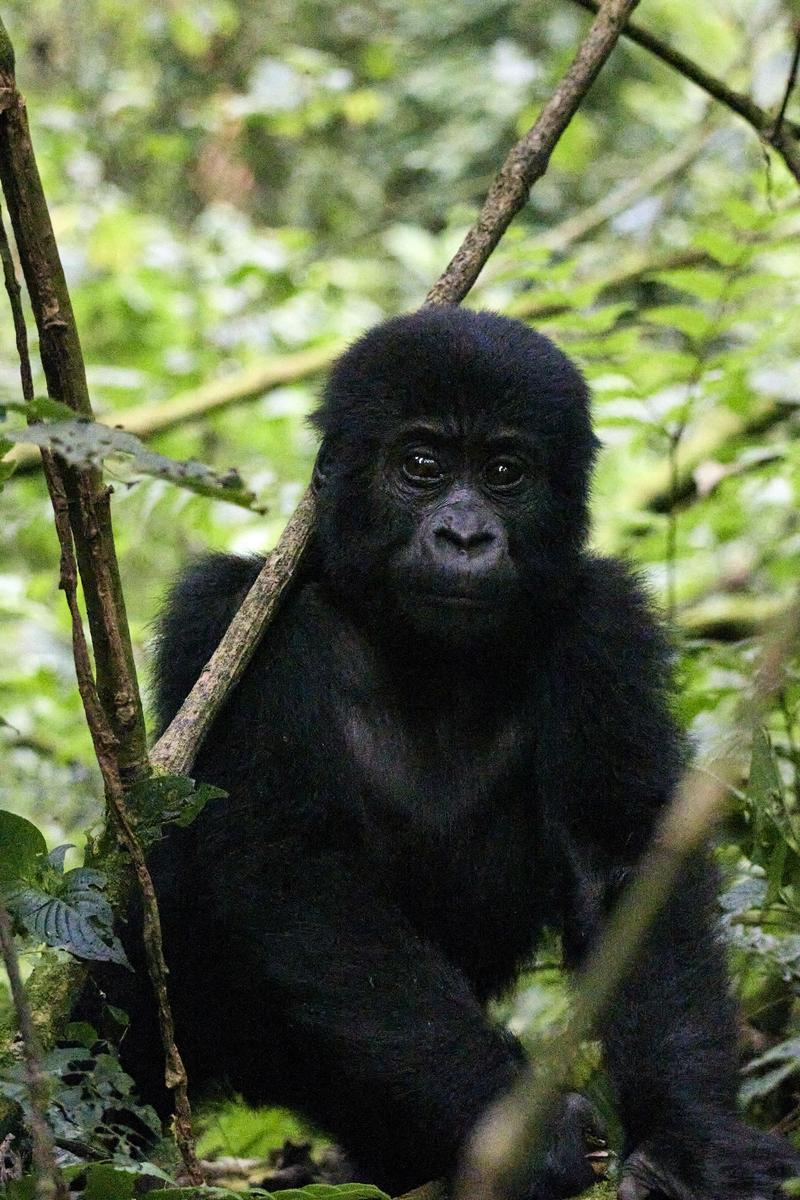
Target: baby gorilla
456, 733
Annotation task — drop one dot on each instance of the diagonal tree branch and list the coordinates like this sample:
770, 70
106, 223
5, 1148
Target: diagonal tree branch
782, 135
526, 163
529, 158
791, 83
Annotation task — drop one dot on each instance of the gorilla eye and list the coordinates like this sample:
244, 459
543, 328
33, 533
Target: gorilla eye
504, 473
421, 468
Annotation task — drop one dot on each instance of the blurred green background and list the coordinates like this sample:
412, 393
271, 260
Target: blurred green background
232, 183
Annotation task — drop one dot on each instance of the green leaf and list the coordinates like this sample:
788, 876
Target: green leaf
79, 920
81, 1032
169, 800
22, 1189
693, 322
56, 857
7, 469
705, 284
84, 443
764, 783
22, 847
104, 1182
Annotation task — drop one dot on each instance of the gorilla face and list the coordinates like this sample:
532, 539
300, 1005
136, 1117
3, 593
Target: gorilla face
455, 463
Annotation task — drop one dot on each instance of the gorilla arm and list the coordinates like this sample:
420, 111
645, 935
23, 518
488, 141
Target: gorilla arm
671, 1037
377, 1036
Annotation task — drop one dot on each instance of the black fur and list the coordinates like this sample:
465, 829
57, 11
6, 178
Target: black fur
456, 732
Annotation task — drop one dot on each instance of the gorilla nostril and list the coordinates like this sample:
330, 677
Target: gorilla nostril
465, 539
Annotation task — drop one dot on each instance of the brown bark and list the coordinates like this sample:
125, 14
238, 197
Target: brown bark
60, 351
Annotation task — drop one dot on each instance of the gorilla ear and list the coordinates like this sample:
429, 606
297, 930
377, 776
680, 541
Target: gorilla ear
321, 466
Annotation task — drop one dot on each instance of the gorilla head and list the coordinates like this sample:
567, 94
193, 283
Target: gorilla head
454, 471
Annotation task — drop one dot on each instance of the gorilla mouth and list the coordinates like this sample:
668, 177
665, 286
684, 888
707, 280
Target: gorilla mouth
454, 599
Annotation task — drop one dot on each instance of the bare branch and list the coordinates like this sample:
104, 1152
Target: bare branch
790, 83
59, 347
50, 1184
525, 164
176, 749
104, 743
782, 135
82, 521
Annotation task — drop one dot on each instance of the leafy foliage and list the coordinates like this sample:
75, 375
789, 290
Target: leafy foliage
229, 181
168, 800
84, 443
64, 910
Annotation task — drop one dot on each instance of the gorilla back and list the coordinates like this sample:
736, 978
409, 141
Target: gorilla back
456, 731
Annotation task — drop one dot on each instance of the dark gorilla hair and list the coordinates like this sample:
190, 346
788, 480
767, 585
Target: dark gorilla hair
456, 733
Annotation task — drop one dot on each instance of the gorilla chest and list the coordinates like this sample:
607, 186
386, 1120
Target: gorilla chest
448, 814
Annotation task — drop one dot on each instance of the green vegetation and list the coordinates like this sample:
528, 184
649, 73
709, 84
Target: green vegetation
233, 184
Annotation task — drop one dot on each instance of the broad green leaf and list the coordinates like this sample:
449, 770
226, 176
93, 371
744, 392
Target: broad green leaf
85, 443
56, 857
704, 284
81, 1032
22, 847
104, 1182
77, 921
764, 783
693, 322
22, 1189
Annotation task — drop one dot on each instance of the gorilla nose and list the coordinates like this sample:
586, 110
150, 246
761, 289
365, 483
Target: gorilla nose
465, 535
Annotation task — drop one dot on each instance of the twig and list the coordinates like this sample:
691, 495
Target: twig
790, 83
529, 158
511, 1132
15, 301
50, 1184
782, 137
526, 163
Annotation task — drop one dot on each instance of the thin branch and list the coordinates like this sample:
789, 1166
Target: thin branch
790, 83
15, 301
526, 163
50, 1184
511, 1133
73, 497
783, 136
529, 158
105, 747
60, 351
176, 748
